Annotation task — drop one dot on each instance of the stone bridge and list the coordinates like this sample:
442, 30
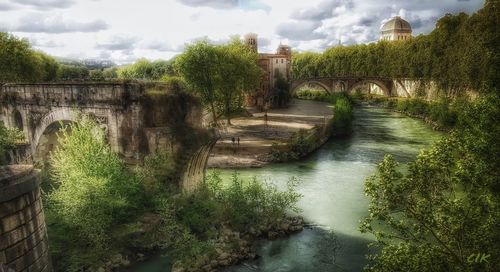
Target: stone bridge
136, 123
379, 85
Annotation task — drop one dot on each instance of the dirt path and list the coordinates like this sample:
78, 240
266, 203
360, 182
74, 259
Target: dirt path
256, 138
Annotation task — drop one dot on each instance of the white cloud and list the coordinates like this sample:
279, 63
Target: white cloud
159, 28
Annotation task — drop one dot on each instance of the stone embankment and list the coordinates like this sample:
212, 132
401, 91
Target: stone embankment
258, 133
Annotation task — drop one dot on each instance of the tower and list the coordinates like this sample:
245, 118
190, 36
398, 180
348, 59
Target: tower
251, 40
284, 50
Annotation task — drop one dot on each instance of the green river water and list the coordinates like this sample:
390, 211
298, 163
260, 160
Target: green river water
333, 201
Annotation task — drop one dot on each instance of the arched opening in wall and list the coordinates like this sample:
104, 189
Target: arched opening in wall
309, 90
50, 140
369, 87
18, 120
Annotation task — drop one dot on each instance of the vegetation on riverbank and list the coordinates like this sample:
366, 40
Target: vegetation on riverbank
97, 209
340, 125
441, 211
444, 209
442, 114
304, 142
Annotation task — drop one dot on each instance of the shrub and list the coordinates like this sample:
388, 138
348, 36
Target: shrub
8, 139
158, 173
342, 117
93, 190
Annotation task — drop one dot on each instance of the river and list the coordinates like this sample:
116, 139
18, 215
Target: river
333, 202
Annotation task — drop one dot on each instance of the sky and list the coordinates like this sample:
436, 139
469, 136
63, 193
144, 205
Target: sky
125, 30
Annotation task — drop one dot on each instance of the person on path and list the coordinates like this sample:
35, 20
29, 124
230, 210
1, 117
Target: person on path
238, 140
232, 140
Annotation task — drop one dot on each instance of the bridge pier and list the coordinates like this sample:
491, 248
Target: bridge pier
23, 233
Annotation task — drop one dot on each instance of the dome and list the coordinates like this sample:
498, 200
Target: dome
396, 24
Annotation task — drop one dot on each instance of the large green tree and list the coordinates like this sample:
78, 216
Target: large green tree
460, 54
219, 73
198, 66
20, 63
237, 72
444, 210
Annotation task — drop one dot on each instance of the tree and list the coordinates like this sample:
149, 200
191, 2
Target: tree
72, 72
96, 75
20, 63
281, 90
144, 69
237, 71
198, 66
444, 209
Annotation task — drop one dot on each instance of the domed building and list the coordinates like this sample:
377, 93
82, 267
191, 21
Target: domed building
396, 29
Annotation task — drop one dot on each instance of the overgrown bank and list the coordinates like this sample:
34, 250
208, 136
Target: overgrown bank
304, 142
102, 215
442, 114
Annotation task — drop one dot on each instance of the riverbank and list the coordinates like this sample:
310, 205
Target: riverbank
441, 115
332, 185
259, 136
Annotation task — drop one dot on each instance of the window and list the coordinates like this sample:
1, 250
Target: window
281, 60
276, 60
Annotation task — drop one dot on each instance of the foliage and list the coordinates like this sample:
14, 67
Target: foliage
174, 83
444, 208
237, 71
144, 69
190, 221
8, 139
318, 95
219, 74
342, 117
443, 113
96, 75
460, 54
20, 63
157, 173
198, 66
281, 91
72, 72
93, 190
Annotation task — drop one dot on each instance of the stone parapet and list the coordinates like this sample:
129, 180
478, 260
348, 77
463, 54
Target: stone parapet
23, 233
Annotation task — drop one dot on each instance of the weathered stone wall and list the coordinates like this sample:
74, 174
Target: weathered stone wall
139, 119
40, 105
23, 234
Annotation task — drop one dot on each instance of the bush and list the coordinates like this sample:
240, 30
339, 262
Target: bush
8, 139
158, 173
190, 223
93, 190
342, 117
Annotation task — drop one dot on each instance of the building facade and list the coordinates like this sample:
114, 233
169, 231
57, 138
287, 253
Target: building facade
273, 66
396, 29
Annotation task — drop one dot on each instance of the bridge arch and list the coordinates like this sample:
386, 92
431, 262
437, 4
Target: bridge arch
383, 86
311, 82
59, 115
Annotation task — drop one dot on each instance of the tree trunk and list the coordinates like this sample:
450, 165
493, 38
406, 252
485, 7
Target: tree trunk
214, 115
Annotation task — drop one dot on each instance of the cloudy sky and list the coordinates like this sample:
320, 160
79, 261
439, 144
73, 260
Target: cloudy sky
124, 30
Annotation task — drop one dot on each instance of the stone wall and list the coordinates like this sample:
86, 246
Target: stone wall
23, 234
